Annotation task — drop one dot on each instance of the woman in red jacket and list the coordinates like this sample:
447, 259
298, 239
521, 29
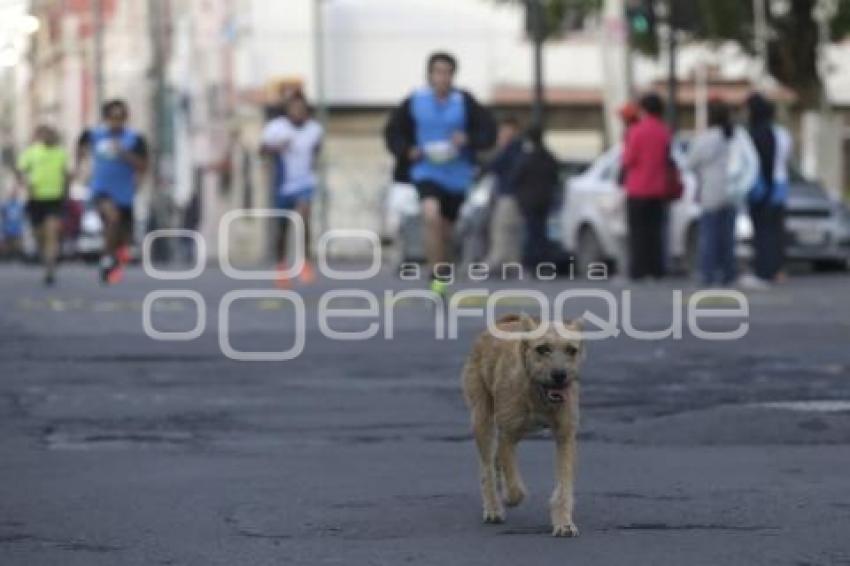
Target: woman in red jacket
646, 161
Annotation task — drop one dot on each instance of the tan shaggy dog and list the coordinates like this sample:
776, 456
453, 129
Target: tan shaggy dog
516, 386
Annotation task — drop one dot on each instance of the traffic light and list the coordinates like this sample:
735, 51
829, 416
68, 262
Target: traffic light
640, 15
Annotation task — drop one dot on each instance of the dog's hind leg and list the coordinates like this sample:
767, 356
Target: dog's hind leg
514, 489
483, 427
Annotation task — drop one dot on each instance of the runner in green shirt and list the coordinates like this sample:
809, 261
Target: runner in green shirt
43, 168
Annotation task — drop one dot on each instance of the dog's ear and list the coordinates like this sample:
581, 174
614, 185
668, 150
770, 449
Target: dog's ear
574, 329
577, 325
528, 323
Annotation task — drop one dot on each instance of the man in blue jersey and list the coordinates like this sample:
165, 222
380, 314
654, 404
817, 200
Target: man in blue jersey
119, 158
434, 135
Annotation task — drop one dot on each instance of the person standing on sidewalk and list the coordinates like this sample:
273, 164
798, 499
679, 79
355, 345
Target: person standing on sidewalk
296, 139
646, 163
708, 158
434, 135
43, 169
768, 198
506, 222
119, 158
536, 180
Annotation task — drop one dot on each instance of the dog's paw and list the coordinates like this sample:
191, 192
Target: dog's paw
494, 516
514, 495
565, 530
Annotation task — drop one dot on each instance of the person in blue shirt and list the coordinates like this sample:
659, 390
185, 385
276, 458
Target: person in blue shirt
12, 213
119, 158
434, 136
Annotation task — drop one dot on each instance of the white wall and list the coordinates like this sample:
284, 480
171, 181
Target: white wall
375, 50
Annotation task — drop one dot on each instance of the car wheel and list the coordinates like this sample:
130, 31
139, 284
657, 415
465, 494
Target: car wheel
588, 250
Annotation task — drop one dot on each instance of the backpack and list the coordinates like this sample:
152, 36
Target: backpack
743, 168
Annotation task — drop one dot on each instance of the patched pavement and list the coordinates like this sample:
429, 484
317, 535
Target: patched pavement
118, 449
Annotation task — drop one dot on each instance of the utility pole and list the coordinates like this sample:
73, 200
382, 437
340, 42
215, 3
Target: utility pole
671, 71
321, 105
157, 74
536, 20
97, 36
760, 36
616, 63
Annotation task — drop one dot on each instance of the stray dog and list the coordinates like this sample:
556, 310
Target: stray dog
516, 386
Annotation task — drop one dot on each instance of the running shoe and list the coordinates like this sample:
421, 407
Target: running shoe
308, 273
116, 275
439, 287
122, 254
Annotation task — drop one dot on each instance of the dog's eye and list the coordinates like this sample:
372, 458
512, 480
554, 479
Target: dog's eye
571, 350
543, 350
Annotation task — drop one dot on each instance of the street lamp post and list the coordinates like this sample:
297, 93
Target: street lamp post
321, 104
536, 21
672, 47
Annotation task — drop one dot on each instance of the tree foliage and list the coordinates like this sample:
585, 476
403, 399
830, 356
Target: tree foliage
793, 37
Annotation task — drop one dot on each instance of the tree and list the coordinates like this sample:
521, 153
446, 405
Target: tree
792, 41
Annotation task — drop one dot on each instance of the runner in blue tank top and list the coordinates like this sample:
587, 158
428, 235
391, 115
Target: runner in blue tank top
119, 158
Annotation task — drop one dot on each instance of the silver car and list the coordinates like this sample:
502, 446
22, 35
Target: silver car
817, 228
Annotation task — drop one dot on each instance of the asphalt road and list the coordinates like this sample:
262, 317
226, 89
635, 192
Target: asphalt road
119, 449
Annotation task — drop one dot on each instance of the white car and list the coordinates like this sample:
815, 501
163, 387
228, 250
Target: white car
401, 231
594, 217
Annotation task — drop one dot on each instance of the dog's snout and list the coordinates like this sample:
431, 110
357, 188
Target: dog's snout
559, 376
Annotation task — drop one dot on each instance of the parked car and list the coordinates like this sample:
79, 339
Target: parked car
401, 225
594, 221
817, 228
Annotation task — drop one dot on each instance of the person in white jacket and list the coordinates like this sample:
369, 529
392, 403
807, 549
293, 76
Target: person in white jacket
709, 158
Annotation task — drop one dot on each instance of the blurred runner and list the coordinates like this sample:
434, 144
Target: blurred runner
434, 135
506, 223
119, 158
296, 139
43, 169
767, 199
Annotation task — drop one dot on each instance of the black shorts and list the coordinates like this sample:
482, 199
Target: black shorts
450, 202
39, 210
125, 212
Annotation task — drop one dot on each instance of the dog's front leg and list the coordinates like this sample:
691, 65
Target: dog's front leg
562, 498
506, 456
484, 429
